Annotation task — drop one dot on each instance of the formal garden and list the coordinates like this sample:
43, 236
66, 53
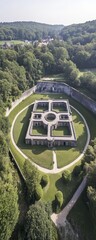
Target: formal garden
41, 155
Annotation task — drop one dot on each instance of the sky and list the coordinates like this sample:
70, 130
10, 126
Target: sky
64, 12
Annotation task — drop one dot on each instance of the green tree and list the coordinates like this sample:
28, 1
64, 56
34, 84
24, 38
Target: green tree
89, 155
91, 172
48, 62
3, 144
8, 209
33, 179
38, 225
91, 194
44, 180
59, 198
66, 176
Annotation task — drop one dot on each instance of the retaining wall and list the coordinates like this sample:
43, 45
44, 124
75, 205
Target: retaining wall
57, 87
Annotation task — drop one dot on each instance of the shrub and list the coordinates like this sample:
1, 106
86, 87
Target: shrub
38, 192
44, 180
89, 155
59, 198
77, 170
66, 175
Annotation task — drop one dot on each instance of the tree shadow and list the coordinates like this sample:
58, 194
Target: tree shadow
38, 149
76, 119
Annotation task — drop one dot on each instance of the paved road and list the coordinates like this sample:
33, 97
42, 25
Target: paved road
60, 218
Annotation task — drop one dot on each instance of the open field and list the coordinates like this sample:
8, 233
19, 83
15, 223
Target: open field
38, 154
56, 184
39, 130
41, 108
61, 131
59, 109
66, 153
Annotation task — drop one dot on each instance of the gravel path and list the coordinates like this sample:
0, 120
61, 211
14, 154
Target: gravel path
59, 219
54, 161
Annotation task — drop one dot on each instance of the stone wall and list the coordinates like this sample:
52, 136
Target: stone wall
57, 87
84, 100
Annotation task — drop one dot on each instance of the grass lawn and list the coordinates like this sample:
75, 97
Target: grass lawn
24, 103
65, 155
56, 183
61, 131
59, 109
39, 130
38, 154
41, 108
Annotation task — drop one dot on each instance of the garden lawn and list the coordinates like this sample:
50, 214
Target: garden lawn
41, 108
39, 130
38, 154
59, 109
61, 131
56, 184
66, 155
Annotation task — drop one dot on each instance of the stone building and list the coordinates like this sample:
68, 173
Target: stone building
51, 124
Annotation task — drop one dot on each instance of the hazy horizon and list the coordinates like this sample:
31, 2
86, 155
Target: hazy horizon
49, 12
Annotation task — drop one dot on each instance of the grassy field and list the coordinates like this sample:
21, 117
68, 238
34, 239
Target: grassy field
41, 108
38, 154
59, 109
61, 131
56, 184
39, 130
66, 155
